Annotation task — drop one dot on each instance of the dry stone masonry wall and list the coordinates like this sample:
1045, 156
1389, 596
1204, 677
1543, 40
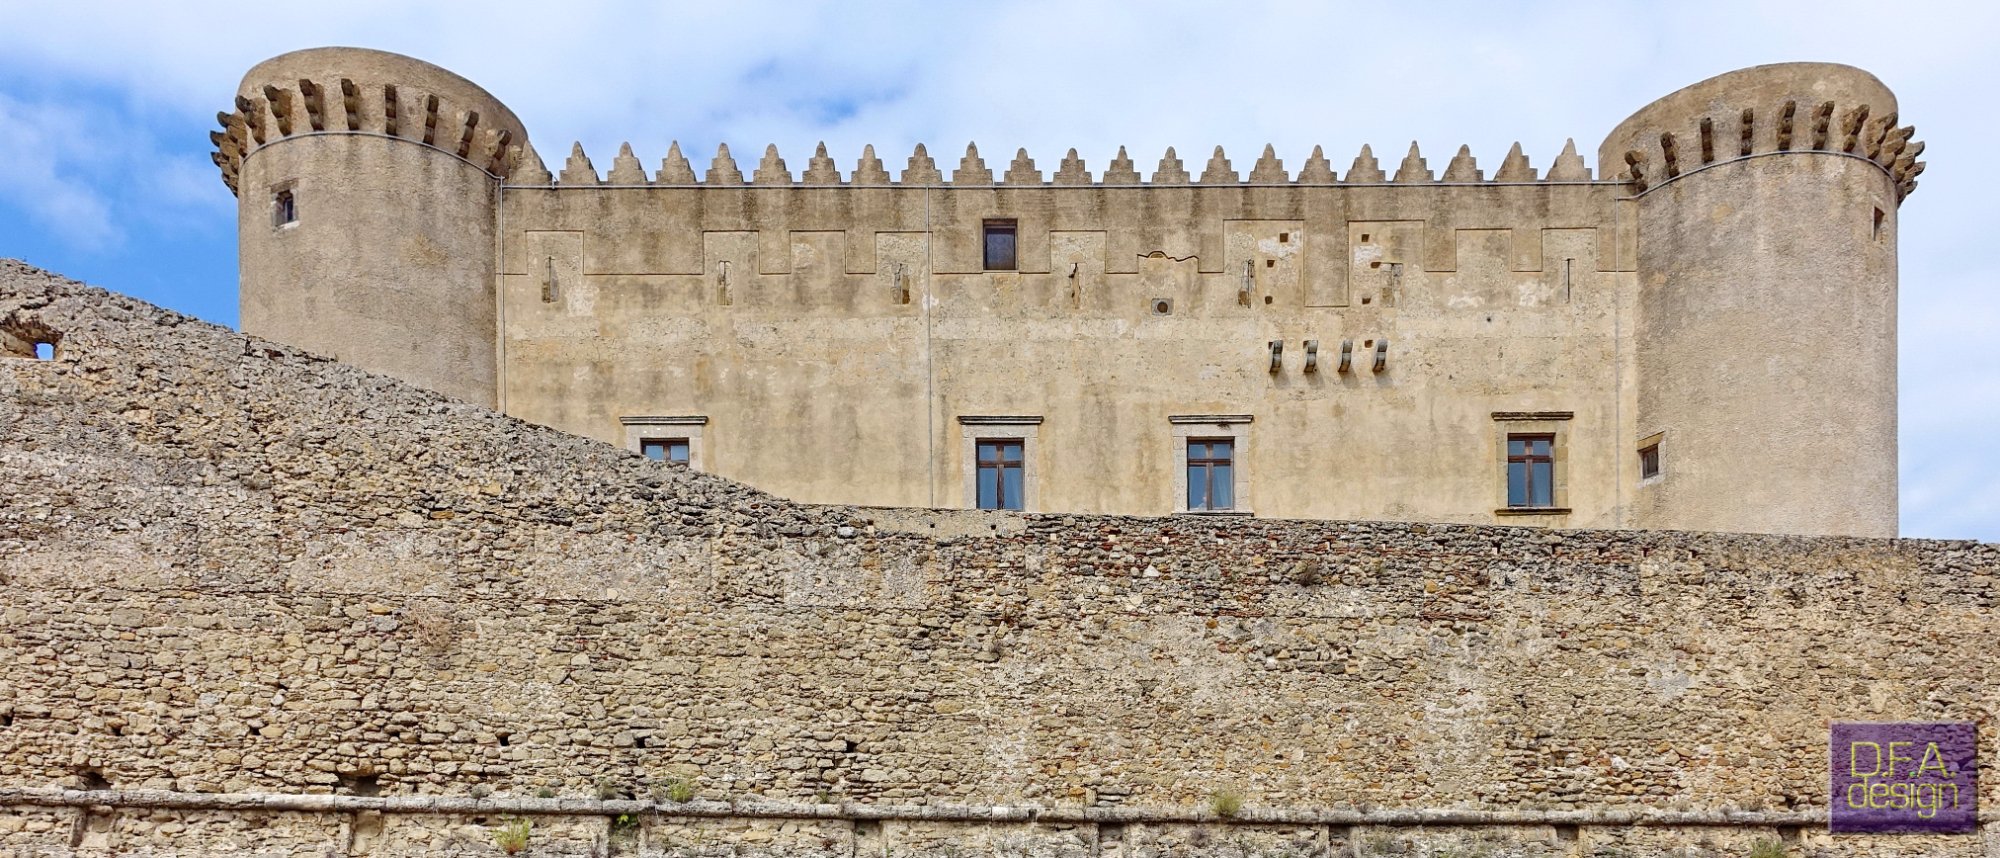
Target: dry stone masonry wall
258, 602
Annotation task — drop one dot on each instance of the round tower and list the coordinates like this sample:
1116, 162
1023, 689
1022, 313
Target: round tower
367, 188
1765, 339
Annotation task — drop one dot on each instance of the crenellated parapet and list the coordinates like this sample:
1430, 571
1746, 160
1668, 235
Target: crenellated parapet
1769, 110
973, 171
351, 91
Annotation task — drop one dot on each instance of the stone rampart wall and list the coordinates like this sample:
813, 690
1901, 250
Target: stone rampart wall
232, 568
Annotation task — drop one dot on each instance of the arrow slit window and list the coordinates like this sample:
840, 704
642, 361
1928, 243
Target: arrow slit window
284, 206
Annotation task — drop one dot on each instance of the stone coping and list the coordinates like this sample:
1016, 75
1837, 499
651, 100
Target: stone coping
465, 805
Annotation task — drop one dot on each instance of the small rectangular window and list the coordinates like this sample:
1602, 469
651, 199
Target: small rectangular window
665, 449
1649, 461
1531, 471
1211, 474
999, 472
284, 208
999, 245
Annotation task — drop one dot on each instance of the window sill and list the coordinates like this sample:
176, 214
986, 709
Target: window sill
1240, 513
1532, 510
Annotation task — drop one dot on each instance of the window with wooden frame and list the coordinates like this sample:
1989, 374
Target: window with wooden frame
1211, 455
666, 438
998, 461
665, 449
1211, 474
1001, 473
1531, 463
999, 245
1531, 471
1649, 460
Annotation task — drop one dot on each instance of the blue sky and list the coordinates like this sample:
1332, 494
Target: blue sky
105, 109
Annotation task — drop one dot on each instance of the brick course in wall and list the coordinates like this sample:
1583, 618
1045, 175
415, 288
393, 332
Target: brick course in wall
235, 569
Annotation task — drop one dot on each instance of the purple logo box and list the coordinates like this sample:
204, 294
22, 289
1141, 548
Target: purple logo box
1904, 777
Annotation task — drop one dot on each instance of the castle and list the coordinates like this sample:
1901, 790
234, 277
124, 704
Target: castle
263, 602
259, 602
1701, 337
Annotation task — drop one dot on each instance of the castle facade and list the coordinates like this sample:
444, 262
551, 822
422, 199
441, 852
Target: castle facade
1702, 336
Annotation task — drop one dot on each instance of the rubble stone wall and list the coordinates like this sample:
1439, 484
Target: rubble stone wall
235, 569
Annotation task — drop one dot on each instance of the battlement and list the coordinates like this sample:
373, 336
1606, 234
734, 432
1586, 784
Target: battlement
346, 108
1770, 109
359, 91
1820, 108
972, 171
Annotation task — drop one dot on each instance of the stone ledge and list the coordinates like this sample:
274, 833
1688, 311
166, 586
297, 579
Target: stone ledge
461, 805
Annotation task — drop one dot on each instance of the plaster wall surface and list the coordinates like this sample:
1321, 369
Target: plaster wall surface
778, 313
248, 588
1761, 362
416, 291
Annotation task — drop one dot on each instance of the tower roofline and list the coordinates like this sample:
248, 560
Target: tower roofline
340, 90
370, 66
1780, 107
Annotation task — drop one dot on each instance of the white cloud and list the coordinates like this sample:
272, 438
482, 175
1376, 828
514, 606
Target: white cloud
38, 148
